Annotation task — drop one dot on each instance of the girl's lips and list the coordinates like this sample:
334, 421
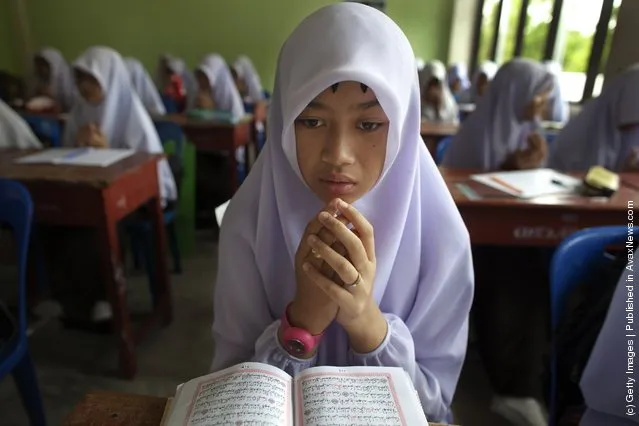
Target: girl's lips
338, 188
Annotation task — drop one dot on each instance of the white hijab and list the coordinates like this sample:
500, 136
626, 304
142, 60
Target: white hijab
246, 71
121, 115
14, 131
225, 93
62, 84
470, 95
594, 136
422, 245
495, 130
144, 87
558, 107
177, 66
448, 110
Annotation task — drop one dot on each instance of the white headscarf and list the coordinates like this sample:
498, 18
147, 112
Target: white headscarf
121, 115
496, 129
225, 93
246, 71
470, 95
177, 66
458, 71
14, 131
448, 110
424, 265
62, 84
144, 87
594, 137
558, 107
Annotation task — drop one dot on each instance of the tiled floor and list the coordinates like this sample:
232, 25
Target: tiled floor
70, 363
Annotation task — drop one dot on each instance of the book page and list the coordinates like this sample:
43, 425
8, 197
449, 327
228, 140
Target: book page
246, 394
356, 396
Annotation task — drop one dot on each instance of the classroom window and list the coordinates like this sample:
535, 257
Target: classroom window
538, 17
512, 11
490, 14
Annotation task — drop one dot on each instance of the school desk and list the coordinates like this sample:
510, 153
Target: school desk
433, 133
209, 135
99, 197
102, 408
499, 219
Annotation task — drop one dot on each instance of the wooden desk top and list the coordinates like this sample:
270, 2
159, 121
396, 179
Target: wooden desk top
629, 191
183, 121
91, 176
434, 129
119, 409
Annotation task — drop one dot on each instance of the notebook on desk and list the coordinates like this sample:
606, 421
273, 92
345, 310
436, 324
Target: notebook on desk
254, 393
77, 156
530, 183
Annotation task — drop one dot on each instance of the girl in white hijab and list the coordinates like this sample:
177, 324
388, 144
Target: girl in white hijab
176, 80
14, 131
502, 132
247, 80
54, 78
109, 114
216, 88
144, 87
481, 81
438, 103
558, 109
606, 132
345, 123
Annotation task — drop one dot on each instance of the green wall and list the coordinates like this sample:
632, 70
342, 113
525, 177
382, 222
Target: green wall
192, 28
8, 52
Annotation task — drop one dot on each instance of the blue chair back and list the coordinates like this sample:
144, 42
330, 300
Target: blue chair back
16, 211
170, 105
170, 131
46, 129
572, 262
249, 107
267, 94
442, 146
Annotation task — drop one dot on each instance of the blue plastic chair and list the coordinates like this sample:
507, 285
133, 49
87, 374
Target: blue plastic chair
169, 105
572, 262
16, 211
46, 129
442, 146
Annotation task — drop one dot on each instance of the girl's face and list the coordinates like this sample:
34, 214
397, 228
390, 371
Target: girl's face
202, 81
341, 141
42, 69
537, 107
239, 82
482, 84
88, 86
455, 86
433, 92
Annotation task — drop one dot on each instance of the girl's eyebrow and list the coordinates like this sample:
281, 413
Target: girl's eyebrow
368, 105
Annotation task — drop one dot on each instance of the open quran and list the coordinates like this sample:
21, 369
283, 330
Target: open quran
260, 394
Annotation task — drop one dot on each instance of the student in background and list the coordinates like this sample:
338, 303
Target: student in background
481, 81
606, 132
502, 133
458, 78
53, 79
510, 306
144, 87
345, 123
247, 80
558, 109
14, 131
109, 114
216, 88
438, 104
176, 81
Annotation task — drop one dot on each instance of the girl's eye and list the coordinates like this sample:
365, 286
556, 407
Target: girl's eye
310, 123
369, 126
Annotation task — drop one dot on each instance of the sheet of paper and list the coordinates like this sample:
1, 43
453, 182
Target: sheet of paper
247, 394
530, 183
356, 395
77, 156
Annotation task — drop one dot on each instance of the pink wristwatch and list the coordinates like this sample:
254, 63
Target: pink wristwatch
297, 341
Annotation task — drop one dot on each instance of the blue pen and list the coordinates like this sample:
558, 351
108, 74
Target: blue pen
71, 155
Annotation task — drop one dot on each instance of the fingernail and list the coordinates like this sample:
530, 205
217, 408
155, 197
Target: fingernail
324, 216
312, 239
342, 204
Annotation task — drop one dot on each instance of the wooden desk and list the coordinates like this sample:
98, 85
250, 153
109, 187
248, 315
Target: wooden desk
499, 219
209, 135
99, 197
433, 133
119, 409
